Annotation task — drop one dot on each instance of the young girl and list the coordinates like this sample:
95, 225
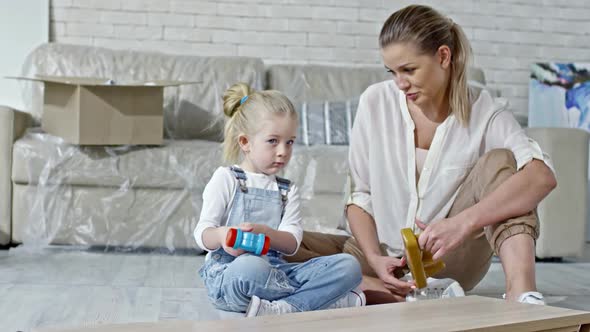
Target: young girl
261, 128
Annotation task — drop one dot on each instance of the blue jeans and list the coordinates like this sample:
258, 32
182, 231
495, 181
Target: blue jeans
312, 285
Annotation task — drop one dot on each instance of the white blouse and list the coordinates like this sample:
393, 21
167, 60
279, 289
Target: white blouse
382, 158
420, 160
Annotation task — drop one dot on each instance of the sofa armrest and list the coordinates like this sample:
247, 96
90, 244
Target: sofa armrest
13, 124
563, 213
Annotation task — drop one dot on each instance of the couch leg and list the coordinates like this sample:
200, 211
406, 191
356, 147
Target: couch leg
549, 259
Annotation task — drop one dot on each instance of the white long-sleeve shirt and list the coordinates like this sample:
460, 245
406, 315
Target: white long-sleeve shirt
218, 199
383, 165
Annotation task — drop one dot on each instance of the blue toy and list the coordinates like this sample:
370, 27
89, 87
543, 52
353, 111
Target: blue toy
258, 244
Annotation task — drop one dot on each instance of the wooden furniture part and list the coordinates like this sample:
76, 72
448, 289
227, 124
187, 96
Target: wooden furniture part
470, 313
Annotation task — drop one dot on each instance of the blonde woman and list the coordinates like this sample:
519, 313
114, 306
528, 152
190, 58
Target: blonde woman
259, 135
431, 153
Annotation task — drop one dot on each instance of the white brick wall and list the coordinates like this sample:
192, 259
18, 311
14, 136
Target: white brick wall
507, 35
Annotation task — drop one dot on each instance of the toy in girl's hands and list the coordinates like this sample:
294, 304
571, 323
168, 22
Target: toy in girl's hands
258, 244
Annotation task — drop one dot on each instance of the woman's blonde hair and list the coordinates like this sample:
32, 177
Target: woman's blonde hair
428, 30
245, 109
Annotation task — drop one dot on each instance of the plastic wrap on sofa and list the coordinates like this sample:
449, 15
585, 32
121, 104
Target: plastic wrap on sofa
119, 197
137, 197
190, 111
326, 97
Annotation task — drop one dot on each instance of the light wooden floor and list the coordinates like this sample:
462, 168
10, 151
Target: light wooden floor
69, 288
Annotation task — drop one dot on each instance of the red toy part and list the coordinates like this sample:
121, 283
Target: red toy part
230, 238
266, 245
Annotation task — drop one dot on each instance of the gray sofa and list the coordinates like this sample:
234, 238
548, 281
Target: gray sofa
52, 192
150, 197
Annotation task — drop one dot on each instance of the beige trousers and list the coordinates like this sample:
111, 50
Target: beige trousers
467, 264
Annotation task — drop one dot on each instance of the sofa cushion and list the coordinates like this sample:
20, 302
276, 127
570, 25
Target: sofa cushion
319, 83
42, 158
133, 218
318, 169
102, 216
190, 111
326, 97
145, 196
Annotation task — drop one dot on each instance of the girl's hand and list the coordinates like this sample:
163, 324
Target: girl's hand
442, 236
222, 236
255, 228
246, 227
384, 267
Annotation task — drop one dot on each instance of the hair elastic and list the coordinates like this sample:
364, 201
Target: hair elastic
243, 100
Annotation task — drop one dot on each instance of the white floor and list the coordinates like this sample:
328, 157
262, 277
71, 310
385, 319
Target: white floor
69, 288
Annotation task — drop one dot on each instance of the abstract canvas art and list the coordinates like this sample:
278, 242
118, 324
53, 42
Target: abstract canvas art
559, 95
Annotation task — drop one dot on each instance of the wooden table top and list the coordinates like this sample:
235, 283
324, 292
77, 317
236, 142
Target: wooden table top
471, 313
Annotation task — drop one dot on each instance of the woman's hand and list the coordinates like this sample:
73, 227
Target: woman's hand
443, 236
384, 267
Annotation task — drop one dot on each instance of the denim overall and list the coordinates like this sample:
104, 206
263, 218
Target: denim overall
231, 281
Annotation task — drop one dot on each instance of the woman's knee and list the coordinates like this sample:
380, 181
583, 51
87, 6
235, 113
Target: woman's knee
490, 171
499, 158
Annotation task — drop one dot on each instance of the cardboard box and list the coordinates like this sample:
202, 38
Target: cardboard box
95, 111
